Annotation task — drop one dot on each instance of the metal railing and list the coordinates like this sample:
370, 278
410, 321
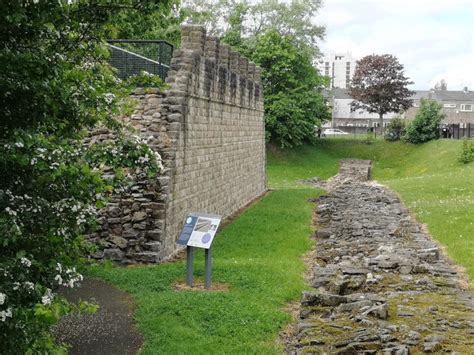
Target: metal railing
131, 57
447, 131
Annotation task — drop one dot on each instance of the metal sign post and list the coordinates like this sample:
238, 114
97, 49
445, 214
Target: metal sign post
198, 232
189, 265
208, 268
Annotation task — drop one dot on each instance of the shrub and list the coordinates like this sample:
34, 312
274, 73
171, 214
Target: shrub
55, 85
425, 126
467, 152
395, 129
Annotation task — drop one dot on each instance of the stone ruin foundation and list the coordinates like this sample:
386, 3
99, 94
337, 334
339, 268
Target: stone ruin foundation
380, 284
209, 129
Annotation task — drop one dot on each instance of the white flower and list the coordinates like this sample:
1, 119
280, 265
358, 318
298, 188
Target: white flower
10, 211
109, 97
71, 283
16, 286
25, 262
144, 159
5, 314
59, 279
19, 144
33, 161
29, 285
47, 298
2, 298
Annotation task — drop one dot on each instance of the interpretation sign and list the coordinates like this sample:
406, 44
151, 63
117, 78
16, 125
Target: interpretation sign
199, 230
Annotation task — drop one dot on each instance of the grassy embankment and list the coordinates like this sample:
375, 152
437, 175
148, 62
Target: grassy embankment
434, 185
258, 256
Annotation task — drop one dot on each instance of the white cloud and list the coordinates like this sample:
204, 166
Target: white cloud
432, 38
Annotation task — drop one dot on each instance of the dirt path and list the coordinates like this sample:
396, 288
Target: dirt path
381, 285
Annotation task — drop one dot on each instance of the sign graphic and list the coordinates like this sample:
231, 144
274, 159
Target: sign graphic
199, 230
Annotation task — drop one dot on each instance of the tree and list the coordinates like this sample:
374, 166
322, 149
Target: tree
380, 86
55, 85
288, 18
441, 85
425, 125
281, 38
155, 20
292, 90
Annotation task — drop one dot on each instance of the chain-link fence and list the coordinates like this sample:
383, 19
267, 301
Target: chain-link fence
131, 57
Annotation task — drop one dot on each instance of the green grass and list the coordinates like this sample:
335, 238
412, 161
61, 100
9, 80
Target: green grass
259, 256
428, 177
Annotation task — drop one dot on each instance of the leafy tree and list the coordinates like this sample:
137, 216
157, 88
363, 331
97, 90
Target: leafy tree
379, 86
292, 90
281, 38
55, 84
155, 20
425, 125
288, 18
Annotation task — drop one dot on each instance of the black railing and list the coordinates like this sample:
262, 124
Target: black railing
131, 57
447, 131
457, 131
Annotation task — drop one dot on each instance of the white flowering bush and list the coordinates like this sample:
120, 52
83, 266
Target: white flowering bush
55, 85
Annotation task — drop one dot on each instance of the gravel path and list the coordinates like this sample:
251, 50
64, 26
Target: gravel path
381, 285
111, 330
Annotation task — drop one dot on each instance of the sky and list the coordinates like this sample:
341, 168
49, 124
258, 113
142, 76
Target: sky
433, 39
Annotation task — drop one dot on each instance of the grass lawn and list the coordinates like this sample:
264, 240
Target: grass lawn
438, 189
258, 256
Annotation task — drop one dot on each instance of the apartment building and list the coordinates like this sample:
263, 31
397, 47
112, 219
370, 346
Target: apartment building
339, 67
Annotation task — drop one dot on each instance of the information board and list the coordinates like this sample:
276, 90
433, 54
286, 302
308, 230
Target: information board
199, 230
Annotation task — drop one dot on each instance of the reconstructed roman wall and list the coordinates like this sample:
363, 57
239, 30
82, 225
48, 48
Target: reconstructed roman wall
208, 127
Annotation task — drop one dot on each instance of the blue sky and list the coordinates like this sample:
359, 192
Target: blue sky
433, 39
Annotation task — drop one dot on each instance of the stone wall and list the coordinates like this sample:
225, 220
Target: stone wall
208, 128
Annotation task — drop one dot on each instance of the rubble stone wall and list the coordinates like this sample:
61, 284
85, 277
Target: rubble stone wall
208, 128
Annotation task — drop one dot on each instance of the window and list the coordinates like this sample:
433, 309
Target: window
450, 105
466, 107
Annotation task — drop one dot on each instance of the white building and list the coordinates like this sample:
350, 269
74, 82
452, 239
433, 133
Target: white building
339, 67
342, 116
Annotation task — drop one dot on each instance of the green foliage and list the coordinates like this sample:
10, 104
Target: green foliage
425, 125
55, 84
281, 38
292, 90
395, 129
148, 20
288, 18
146, 80
467, 152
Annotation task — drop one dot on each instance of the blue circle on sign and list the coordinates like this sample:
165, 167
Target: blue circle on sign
206, 238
